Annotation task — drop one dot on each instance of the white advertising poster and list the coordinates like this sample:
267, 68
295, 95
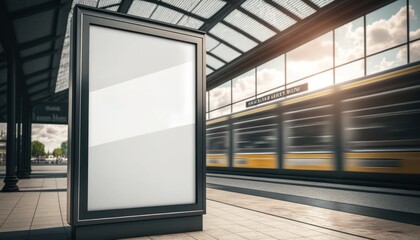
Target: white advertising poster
141, 120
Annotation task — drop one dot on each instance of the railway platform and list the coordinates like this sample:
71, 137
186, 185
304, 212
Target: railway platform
238, 207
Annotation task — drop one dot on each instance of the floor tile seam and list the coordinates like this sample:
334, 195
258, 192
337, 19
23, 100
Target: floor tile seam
33, 217
8, 215
290, 219
59, 204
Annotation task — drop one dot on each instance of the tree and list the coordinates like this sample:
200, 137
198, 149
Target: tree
64, 148
57, 152
37, 149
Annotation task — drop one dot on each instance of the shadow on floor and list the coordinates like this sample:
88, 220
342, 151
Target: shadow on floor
59, 233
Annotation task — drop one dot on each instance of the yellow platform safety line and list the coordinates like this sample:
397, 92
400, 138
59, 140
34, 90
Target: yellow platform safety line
218, 164
381, 77
410, 162
255, 110
307, 97
327, 157
266, 161
217, 120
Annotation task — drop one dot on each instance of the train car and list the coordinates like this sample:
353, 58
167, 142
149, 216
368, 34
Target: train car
367, 129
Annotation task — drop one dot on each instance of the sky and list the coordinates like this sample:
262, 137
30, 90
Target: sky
51, 135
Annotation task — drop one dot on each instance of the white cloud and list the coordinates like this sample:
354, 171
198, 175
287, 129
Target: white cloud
269, 78
50, 135
415, 51
385, 33
243, 87
413, 18
220, 96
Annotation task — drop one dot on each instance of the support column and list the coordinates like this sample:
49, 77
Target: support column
11, 180
23, 166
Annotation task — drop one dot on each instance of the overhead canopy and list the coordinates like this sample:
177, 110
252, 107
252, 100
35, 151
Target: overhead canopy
240, 33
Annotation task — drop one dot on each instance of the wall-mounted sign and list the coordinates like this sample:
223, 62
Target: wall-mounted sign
277, 95
50, 113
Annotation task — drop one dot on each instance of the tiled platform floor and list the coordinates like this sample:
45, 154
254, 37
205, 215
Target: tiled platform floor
39, 212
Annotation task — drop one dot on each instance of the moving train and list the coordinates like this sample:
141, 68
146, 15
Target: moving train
365, 130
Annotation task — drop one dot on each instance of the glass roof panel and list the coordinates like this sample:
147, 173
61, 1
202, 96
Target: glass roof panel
249, 25
187, 5
113, 8
208, 71
211, 43
321, 3
191, 22
166, 15
105, 3
233, 37
297, 7
207, 8
213, 62
141, 8
226, 53
269, 14
91, 3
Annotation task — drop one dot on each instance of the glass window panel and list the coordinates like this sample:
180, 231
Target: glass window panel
310, 58
249, 25
233, 37
239, 106
350, 71
141, 9
191, 22
220, 96
386, 60
415, 51
297, 7
414, 19
208, 71
270, 92
220, 112
226, 53
386, 27
269, 14
207, 101
213, 62
166, 15
114, 8
349, 41
208, 8
243, 86
270, 75
316, 82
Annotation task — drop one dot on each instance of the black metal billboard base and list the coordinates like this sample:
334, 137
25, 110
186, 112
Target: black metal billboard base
138, 228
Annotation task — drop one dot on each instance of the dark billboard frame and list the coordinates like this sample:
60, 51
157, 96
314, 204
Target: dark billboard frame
118, 223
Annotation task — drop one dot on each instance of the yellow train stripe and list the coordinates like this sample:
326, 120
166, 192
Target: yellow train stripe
381, 77
255, 110
308, 155
217, 120
399, 155
307, 97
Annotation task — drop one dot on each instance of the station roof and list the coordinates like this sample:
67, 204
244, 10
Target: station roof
240, 33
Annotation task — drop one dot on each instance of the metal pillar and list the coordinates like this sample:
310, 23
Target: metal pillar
24, 162
11, 180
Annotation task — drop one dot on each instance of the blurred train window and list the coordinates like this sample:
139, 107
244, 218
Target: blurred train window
257, 135
243, 86
217, 140
308, 130
310, 58
415, 51
414, 19
220, 96
387, 122
386, 60
349, 41
271, 74
350, 71
386, 27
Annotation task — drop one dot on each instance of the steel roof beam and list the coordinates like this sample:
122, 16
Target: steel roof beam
311, 4
124, 6
164, 4
38, 41
224, 42
40, 8
283, 10
246, 34
221, 14
259, 20
39, 55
